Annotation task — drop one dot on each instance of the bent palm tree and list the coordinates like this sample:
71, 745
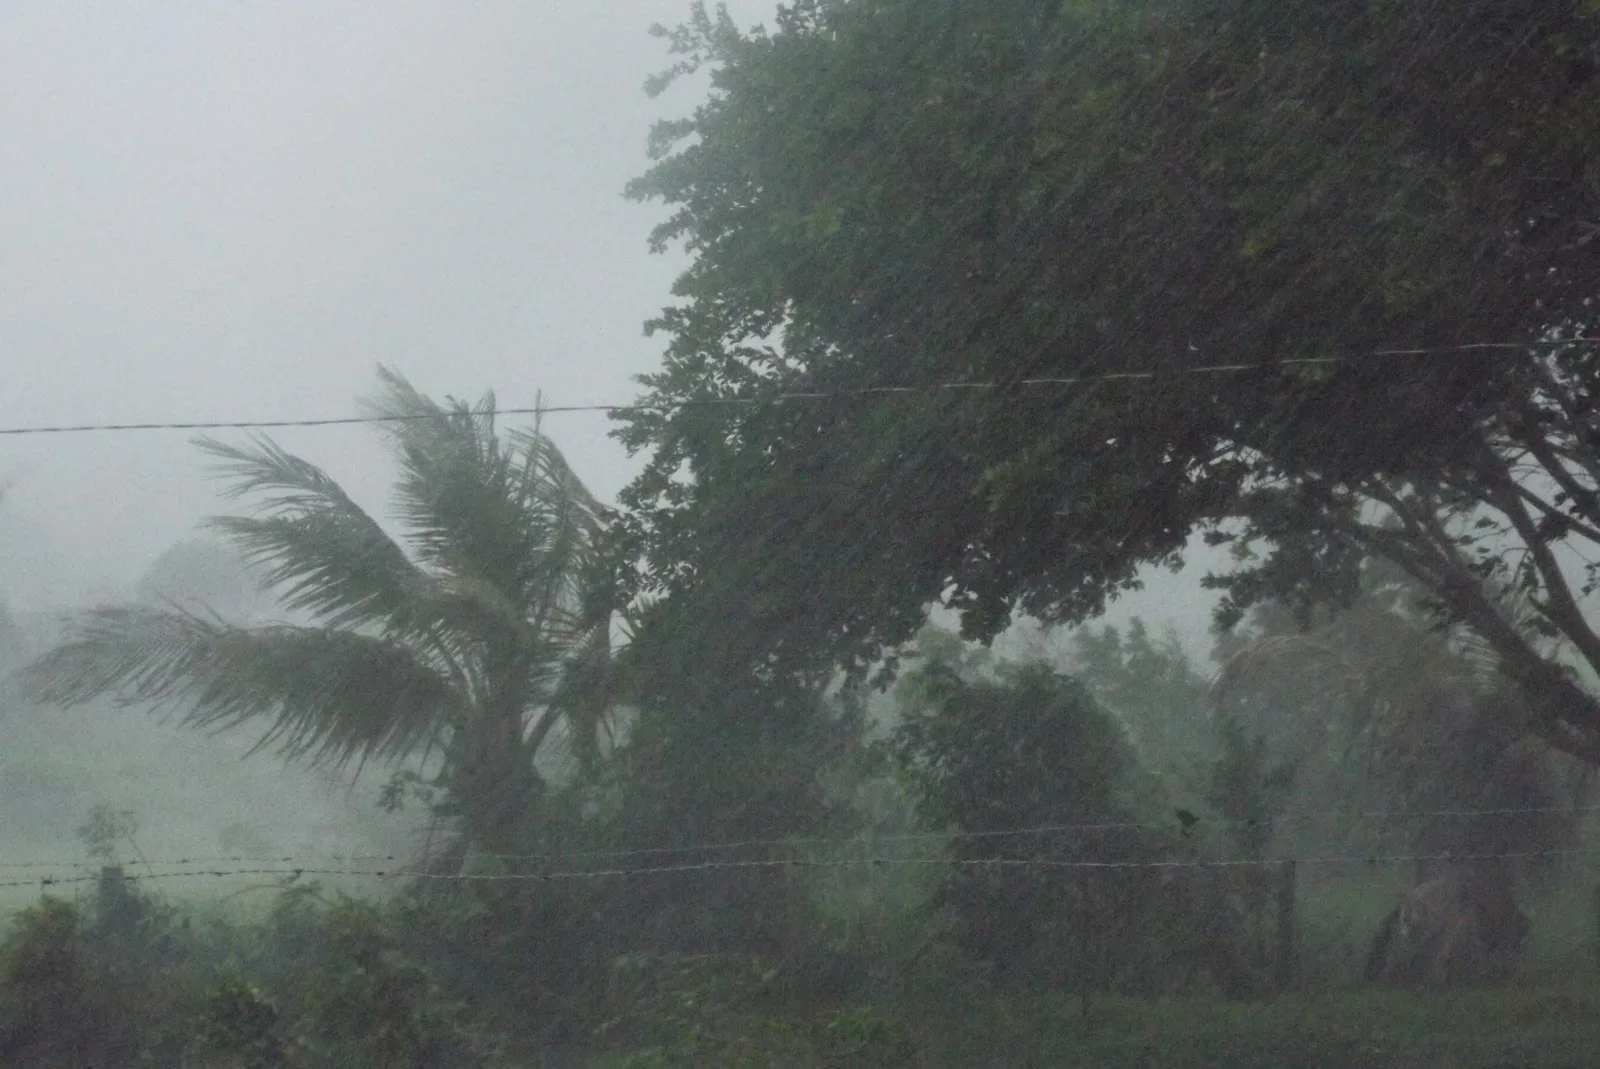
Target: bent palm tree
472, 647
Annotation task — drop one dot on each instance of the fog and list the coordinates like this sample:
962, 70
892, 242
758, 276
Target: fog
234, 213
224, 219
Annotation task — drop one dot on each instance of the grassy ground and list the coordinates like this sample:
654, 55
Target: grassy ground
1546, 1028
192, 796
1542, 1029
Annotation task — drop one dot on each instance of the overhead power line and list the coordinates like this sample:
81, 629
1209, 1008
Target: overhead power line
817, 395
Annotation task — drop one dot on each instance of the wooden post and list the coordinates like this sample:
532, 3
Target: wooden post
1287, 958
1597, 924
1086, 977
116, 902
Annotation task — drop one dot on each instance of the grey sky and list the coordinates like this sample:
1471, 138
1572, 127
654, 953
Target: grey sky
235, 210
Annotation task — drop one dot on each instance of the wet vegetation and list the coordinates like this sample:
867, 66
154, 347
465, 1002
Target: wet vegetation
815, 751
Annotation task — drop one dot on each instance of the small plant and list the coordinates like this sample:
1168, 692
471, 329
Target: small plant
239, 1022
865, 1036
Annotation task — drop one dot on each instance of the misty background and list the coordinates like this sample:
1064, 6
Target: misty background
235, 212
623, 840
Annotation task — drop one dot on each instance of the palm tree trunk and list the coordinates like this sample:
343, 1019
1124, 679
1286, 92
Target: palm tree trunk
496, 789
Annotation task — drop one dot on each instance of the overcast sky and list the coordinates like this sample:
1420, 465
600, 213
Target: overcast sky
236, 210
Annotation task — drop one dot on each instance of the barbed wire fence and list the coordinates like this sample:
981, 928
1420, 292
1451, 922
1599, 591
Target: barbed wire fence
1289, 819
1275, 909
1273, 877
291, 871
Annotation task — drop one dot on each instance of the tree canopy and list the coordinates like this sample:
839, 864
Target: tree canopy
1000, 247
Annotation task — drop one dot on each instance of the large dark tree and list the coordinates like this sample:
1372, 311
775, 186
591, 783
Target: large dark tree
884, 196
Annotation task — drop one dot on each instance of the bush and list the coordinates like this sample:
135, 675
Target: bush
240, 1023
1031, 749
356, 993
104, 986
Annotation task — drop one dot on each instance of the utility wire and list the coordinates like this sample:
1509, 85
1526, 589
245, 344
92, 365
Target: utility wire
817, 395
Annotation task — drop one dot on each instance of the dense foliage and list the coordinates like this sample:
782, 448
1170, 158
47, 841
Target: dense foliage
1058, 285
1380, 710
1046, 802
884, 196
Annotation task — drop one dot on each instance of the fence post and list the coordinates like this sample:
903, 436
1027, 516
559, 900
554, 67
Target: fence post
116, 905
1597, 925
1287, 957
1086, 977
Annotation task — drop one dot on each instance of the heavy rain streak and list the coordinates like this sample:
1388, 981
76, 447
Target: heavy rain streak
842, 533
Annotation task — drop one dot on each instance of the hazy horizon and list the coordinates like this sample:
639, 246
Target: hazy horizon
238, 213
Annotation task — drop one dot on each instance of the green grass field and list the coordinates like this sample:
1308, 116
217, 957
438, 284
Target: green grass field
1546, 1028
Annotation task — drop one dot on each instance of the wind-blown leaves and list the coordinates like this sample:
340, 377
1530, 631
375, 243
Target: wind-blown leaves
474, 644
564, 553
496, 515
329, 695
322, 552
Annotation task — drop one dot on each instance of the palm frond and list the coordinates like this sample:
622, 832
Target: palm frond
1516, 606
1272, 653
412, 420
453, 493
325, 695
322, 552
565, 528
506, 517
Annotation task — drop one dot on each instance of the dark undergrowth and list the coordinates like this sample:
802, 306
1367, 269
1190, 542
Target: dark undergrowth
316, 981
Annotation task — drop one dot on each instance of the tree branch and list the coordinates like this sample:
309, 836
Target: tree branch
1573, 524
1568, 717
1559, 607
1584, 499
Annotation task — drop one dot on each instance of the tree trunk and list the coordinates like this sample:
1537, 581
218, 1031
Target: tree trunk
497, 791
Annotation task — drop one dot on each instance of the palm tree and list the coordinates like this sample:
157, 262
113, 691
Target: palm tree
468, 644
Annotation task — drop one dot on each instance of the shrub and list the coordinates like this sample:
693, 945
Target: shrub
104, 986
358, 994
